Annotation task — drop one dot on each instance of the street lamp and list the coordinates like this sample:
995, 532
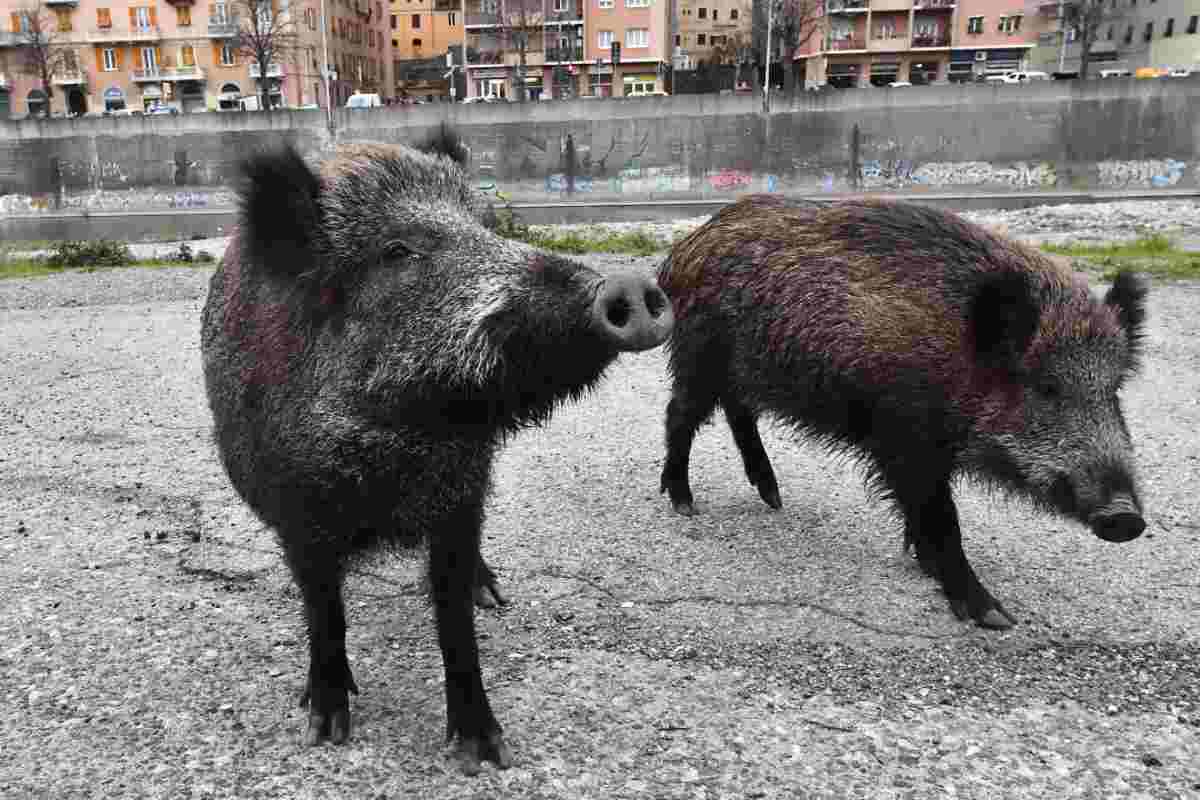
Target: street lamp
325, 69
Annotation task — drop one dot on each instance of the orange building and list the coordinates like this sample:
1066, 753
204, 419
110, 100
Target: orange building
877, 42
135, 54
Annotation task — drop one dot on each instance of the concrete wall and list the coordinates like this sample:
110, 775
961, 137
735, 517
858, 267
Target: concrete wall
1052, 136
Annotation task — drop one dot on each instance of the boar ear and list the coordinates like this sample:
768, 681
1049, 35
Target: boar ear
445, 141
281, 215
1004, 318
1128, 297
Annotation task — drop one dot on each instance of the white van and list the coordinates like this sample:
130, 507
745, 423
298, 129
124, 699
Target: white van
1115, 73
363, 101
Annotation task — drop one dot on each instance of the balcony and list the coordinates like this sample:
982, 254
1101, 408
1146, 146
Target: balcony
222, 30
847, 6
889, 42
61, 2
273, 71
931, 40
68, 77
847, 43
935, 4
9, 39
114, 34
567, 12
902, 6
485, 57
556, 55
483, 18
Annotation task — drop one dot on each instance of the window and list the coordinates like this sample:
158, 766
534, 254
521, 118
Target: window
886, 30
701, 39
395, 44
183, 16
714, 15
103, 18
452, 18
604, 40
639, 84
733, 13
1111, 30
370, 37
637, 37
141, 18
393, 22
416, 44
219, 14
416, 22
1072, 34
1149, 32
111, 63
975, 25
187, 56
64, 19
1129, 35
1192, 23
637, 3
703, 13
150, 59
600, 84
606, 3
677, 40
715, 40
1170, 29
560, 6
1010, 24
227, 54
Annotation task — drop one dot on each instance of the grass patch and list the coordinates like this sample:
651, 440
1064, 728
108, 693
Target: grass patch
89, 256
637, 243
1154, 254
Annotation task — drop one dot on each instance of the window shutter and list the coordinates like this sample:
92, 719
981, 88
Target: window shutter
117, 52
153, 17
188, 56
132, 18
158, 59
16, 22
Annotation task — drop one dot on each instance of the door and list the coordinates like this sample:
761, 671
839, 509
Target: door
76, 101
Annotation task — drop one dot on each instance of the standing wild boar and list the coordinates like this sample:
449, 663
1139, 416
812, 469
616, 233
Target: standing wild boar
925, 345
368, 343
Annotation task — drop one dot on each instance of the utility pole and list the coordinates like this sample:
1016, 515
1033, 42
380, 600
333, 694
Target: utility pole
767, 81
1062, 35
466, 81
325, 70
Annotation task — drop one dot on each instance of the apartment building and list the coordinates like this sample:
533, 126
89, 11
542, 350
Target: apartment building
877, 42
710, 30
425, 28
1149, 33
569, 47
132, 55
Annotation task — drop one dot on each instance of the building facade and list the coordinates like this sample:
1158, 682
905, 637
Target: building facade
568, 47
877, 42
711, 30
1134, 35
422, 31
137, 54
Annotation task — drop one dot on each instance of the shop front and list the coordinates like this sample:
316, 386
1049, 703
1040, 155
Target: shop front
114, 99
639, 83
152, 94
884, 72
491, 83
600, 80
842, 75
227, 99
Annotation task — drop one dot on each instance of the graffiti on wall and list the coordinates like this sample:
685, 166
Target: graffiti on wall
130, 200
1156, 173
900, 173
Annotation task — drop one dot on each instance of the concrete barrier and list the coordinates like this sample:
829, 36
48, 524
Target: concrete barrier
1048, 136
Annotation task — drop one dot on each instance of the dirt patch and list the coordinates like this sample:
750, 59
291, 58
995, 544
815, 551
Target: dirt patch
153, 644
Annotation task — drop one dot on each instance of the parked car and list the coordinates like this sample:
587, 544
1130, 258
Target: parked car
1115, 73
357, 100
161, 108
899, 84
487, 98
1179, 72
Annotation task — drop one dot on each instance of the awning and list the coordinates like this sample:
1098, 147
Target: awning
645, 76
113, 93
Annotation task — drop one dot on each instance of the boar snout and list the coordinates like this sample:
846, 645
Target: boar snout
1119, 521
633, 312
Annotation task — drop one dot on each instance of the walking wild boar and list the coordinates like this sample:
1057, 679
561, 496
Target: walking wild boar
368, 344
922, 344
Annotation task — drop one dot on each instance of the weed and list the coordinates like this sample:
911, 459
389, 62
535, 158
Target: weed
89, 254
1154, 254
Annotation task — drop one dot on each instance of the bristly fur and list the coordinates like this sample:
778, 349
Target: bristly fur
446, 141
278, 199
1128, 296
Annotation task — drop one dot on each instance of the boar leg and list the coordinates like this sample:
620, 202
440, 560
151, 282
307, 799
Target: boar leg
686, 412
754, 456
453, 571
931, 529
329, 679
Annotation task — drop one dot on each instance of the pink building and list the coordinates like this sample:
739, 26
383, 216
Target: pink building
877, 42
135, 54
643, 32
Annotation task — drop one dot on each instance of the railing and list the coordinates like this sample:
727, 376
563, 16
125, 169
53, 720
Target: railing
485, 57
149, 34
273, 70
931, 40
919, 4
67, 77
223, 29
61, 2
566, 15
554, 54
849, 43
483, 18
847, 5
10, 39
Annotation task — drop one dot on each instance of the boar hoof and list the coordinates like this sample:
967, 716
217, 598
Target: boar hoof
329, 715
684, 509
488, 596
987, 613
770, 496
490, 747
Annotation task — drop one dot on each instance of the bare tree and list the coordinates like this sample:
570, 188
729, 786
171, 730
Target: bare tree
42, 51
793, 24
1087, 17
267, 35
737, 48
522, 22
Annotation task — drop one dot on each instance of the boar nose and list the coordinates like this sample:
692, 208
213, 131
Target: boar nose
1118, 521
633, 312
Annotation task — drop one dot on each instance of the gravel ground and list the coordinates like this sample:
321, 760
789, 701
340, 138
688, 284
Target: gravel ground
153, 646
